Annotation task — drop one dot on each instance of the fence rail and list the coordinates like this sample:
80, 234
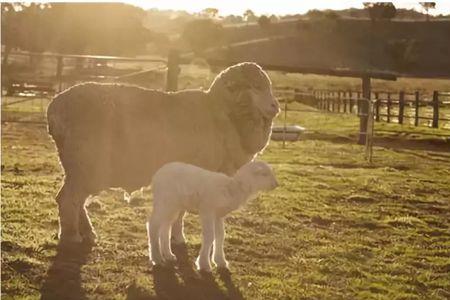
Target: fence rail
432, 110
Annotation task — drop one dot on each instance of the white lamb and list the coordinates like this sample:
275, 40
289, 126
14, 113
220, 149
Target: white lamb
179, 187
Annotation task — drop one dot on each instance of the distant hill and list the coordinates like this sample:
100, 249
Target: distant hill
414, 48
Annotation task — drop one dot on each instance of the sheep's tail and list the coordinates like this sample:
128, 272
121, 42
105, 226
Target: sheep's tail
56, 126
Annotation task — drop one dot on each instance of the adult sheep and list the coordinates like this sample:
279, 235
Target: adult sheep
111, 135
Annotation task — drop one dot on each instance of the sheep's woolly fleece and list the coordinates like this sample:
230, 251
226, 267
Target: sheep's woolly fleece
111, 135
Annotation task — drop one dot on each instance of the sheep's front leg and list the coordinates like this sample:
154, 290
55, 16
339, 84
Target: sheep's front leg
177, 230
219, 255
166, 251
203, 260
153, 230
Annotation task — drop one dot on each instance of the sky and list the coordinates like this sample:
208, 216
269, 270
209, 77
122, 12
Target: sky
278, 7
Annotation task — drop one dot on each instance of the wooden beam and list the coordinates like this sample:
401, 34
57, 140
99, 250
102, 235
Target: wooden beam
97, 57
187, 58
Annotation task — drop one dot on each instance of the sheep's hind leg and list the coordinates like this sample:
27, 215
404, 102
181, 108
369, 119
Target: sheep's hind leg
177, 230
69, 201
218, 253
86, 230
204, 260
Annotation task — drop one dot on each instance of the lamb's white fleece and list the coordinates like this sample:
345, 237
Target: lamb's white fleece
179, 187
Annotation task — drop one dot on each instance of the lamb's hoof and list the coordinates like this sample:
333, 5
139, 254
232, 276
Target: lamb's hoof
170, 260
177, 242
157, 263
204, 269
221, 264
223, 271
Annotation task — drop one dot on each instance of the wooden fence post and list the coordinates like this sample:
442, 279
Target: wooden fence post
333, 100
339, 101
173, 69
318, 100
344, 94
59, 70
388, 108
327, 96
350, 94
416, 109
364, 110
358, 103
377, 107
321, 100
435, 104
401, 106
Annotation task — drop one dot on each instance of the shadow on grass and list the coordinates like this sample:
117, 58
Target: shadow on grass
184, 283
63, 280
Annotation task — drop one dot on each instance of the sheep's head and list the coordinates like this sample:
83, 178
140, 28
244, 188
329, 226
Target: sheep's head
260, 175
247, 85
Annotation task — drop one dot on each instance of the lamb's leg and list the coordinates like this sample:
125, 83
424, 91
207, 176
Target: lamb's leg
204, 260
177, 230
86, 230
69, 201
153, 230
219, 237
166, 251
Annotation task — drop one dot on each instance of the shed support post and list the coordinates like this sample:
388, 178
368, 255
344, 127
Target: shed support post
364, 110
173, 69
416, 109
435, 104
59, 70
401, 107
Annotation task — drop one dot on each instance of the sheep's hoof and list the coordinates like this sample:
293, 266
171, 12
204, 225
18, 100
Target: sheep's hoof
70, 239
89, 238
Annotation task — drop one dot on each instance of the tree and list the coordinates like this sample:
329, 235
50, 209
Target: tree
380, 10
249, 16
202, 34
210, 12
427, 6
76, 28
264, 22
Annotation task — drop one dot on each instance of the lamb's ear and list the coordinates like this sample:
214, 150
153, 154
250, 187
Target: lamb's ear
258, 171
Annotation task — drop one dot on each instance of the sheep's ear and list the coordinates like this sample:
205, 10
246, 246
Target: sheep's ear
234, 86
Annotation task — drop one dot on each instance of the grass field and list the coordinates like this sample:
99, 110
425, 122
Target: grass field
336, 228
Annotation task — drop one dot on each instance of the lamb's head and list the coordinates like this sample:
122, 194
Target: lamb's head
246, 85
258, 175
